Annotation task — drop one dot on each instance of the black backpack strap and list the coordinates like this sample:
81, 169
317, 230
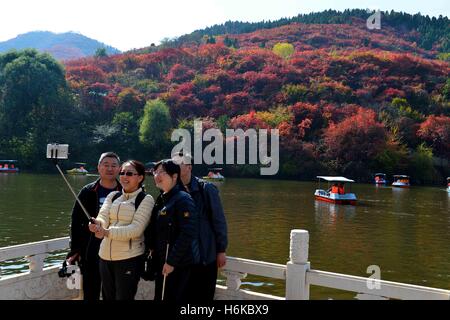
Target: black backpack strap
141, 195
117, 195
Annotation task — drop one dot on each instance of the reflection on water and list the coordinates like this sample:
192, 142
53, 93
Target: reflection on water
404, 231
329, 213
256, 284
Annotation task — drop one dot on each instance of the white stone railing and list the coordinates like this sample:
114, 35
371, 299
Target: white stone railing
44, 283
299, 277
39, 282
237, 269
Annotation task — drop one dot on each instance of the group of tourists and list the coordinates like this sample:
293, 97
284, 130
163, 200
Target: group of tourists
180, 238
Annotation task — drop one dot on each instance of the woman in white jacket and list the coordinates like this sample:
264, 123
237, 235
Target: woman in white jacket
122, 227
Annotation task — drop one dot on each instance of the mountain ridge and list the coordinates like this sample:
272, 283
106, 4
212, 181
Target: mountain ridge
63, 46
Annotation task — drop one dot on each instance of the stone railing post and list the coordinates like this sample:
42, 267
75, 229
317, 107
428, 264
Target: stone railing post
296, 268
233, 279
37, 262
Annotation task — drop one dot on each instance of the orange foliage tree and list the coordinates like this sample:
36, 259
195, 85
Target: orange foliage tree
435, 130
357, 138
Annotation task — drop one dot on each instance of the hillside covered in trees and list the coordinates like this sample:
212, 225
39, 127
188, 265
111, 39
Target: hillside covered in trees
346, 100
426, 32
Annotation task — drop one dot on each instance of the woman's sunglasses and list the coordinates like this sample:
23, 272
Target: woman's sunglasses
128, 173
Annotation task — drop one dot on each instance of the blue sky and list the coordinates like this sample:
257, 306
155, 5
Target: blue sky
137, 23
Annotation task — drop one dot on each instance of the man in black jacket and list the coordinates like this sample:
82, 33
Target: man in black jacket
212, 229
84, 246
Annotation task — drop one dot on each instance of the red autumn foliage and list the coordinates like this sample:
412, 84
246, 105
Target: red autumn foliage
130, 100
391, 93
263, 85
309, 118
180, 73
85, 73
235, 103
435, 130
330, 85
357, 138
184, 106
209, 94
248, 121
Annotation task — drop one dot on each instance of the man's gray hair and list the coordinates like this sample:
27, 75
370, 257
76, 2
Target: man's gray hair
108, 155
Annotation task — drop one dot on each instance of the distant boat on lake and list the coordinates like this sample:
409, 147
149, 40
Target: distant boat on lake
80, 170
336, 193
214, 175
401, 181
380, 178
8, 166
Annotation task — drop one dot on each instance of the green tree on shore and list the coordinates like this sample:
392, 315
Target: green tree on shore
155, 129
35, 104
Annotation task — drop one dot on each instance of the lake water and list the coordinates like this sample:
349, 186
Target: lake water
406, 232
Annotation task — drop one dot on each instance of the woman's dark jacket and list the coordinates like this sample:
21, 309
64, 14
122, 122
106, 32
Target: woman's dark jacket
174, 221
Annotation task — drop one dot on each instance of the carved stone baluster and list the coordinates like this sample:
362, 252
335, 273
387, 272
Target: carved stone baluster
296, 286
36, 262
234, 279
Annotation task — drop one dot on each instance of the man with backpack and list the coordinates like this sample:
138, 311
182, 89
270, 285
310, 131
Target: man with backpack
84, 246
212, 227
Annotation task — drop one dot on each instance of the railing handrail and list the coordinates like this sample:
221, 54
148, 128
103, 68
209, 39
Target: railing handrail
33, 248
257, 268
388, 289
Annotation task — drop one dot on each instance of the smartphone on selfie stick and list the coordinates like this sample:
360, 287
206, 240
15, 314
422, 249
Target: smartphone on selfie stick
57, 152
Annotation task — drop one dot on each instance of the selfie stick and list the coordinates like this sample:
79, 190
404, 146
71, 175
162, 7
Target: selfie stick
55, 161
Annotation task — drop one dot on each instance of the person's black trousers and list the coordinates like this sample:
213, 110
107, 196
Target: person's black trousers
120, 278
91, 279
203, 282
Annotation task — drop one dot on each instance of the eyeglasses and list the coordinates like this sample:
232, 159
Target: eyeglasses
156, 173
128, 173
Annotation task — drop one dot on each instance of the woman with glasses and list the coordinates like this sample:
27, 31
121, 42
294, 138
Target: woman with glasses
121, 223
173, 234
